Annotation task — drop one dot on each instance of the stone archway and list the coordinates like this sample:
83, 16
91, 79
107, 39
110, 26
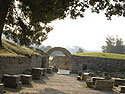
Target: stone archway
64, 51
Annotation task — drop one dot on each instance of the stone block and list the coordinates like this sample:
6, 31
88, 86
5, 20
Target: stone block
54, 69
26, 79
121, 89
89, 83
1, 88
118, 81
78, 78
11, 81
79, 73
103, 85
44, 71
19, 86
85, 76
36, 73
93, 79
49, 70
82, 76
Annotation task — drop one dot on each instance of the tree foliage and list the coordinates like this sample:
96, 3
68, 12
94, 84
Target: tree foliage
114, 45
26, 21
80, 50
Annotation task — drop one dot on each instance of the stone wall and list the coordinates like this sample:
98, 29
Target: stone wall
17, 64
80, 63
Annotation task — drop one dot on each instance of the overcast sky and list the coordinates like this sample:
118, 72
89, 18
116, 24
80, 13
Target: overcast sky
89, 32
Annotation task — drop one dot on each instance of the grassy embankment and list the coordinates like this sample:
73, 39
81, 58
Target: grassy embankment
12, 49
103, 55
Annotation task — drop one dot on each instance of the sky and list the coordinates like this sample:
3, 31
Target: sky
89, 32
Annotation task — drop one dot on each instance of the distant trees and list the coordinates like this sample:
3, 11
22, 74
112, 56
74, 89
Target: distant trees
76, 49
114, 45
80, 50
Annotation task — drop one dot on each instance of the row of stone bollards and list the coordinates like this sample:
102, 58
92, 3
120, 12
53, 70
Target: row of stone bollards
102, 83
16, 81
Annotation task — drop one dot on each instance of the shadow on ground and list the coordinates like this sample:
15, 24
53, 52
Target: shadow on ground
51, 91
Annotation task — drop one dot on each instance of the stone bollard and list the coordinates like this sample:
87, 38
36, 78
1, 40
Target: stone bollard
121, 89
118, 81
26, 79
12, 81
36, 73
1, 88
103, 85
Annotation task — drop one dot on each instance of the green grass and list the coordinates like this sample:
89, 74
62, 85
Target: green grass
103, 55
12, 49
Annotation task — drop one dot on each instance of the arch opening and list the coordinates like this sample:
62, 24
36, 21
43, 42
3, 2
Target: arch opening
62, 60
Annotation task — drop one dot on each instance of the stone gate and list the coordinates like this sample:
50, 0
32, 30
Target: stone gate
64, 51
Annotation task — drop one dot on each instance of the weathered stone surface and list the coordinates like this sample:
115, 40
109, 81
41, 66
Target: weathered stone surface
26, 79
82, 76
18, 64
44, 71
68, 56
61, 62
36, 73
54, 68
86, 76
98, 64
11, 81
118, 81
49, 70
78, 78
103, 84
89, 83
1, 88
121, 88
94, 79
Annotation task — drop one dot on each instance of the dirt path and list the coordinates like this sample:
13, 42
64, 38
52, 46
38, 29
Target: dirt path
57, 84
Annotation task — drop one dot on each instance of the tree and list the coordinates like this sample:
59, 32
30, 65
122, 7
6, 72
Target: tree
26, 21
80, 50
114, 45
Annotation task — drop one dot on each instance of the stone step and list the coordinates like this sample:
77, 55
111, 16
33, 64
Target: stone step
26, 79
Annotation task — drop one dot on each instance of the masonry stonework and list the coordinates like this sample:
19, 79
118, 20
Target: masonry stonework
18, 64
80, 63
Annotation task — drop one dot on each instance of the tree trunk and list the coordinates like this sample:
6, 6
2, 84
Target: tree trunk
4, 5
1, 39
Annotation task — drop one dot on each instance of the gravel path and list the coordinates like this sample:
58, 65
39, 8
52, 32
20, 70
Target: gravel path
57, 84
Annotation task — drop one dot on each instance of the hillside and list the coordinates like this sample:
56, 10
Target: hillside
103, 55
12, 49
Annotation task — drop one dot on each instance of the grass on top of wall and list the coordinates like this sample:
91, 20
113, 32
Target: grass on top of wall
12, 49
103, 55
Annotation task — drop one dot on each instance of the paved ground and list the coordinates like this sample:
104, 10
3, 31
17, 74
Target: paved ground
57, 84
